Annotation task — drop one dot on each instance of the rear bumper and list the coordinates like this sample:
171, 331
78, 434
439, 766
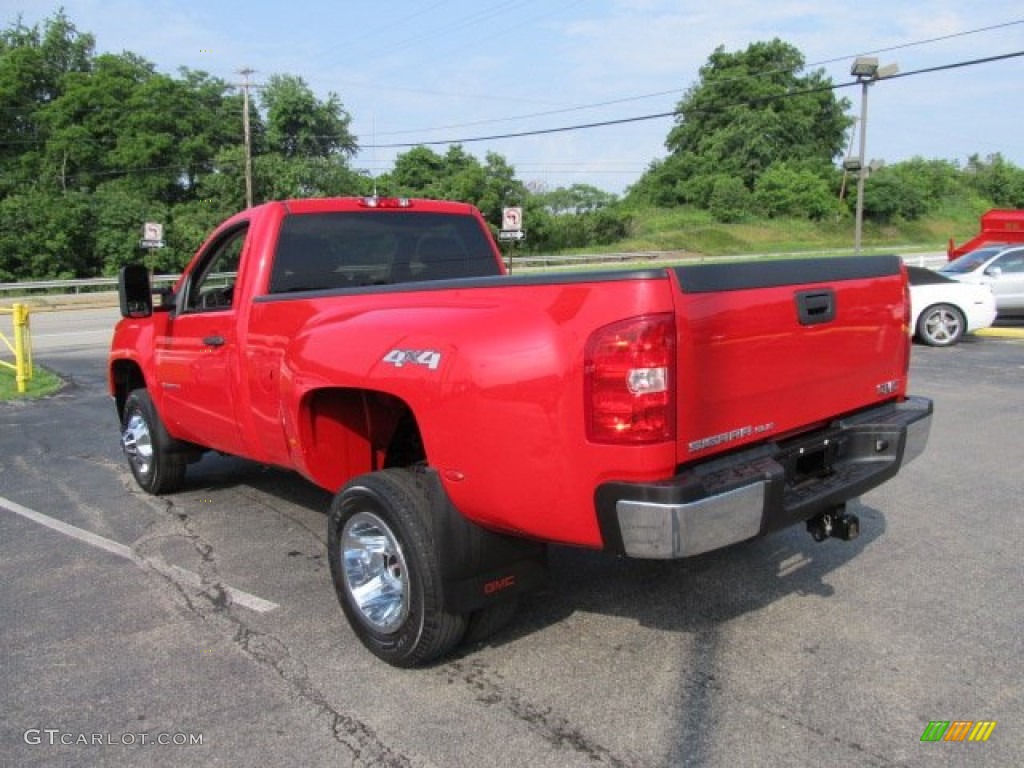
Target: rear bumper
762, 489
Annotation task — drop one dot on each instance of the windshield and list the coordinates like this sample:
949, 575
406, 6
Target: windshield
970, 261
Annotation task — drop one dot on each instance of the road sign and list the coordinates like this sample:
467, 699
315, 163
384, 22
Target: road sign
152, 235
512, 219
511, 234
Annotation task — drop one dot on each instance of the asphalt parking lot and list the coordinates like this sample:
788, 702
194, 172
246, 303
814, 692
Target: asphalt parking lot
207, 620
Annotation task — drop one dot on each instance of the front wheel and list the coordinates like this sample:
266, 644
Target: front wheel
942, 325
157, 467
385, 569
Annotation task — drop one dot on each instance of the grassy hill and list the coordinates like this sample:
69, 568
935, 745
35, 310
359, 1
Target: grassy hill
694, 231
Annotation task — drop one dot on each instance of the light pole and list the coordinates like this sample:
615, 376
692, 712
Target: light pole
245, 72
867, 71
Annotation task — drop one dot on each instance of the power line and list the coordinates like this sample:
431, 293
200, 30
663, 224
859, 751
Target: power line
641, 118
659, 115
596, 105
677, 91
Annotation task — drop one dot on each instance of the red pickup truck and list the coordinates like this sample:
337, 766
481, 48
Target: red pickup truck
465, 417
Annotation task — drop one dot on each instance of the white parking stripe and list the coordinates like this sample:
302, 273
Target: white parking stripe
252, 602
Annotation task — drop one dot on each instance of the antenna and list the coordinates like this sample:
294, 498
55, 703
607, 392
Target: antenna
373, 155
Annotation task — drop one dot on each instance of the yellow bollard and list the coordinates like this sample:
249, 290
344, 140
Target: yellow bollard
22, 348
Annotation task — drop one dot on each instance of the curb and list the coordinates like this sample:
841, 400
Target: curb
1001, 333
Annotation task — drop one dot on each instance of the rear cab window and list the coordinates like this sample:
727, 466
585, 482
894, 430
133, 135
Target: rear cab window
350, 249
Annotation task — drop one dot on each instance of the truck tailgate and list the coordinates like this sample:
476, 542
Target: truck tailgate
772, 348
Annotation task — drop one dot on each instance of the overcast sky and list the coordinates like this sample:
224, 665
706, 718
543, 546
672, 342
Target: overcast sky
448, 70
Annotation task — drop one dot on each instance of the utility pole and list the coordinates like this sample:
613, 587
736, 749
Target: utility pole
245, 72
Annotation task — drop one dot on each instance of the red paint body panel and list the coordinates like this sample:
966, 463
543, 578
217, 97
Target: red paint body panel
502, 412
997, 227
747, 365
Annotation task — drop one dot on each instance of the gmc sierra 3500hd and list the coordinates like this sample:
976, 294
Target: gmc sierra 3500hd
465, 417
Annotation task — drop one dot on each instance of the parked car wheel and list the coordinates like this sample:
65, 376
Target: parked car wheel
158, 468
385, 570
941, 325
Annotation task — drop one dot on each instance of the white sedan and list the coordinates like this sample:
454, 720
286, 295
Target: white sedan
943, 310
1001, 266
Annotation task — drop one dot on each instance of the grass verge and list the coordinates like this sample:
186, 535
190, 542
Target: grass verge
42, 383
688, 230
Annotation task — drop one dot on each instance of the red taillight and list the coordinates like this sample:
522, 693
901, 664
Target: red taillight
907, 332
630, 381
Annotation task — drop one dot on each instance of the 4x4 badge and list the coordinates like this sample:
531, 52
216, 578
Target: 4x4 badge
430, 358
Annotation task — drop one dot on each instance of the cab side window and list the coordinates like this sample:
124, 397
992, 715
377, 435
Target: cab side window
1011, 262
212, 286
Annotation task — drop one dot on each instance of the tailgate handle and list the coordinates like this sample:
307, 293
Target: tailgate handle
213, 341
817, 306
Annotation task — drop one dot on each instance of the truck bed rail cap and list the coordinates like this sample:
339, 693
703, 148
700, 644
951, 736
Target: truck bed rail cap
709, 278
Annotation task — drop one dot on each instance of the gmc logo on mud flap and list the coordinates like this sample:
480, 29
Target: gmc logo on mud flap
490, 587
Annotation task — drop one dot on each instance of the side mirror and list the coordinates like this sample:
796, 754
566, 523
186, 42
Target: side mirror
994, 271
135, 292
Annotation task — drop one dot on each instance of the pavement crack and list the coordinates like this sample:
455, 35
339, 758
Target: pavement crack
270, 653
365, 746
257, 498
865, 754
491, 689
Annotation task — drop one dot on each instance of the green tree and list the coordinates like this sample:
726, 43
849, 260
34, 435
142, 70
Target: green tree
456, 175
34, 63
750, 110
785, 189
46, 235
889, 197
85, 125
300, 125
730, 200
118, 213
416, 173
996, 179
577, 198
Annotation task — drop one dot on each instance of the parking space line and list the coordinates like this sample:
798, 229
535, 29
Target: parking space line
192, 579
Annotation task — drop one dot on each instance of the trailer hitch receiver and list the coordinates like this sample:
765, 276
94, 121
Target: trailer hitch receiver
835, 523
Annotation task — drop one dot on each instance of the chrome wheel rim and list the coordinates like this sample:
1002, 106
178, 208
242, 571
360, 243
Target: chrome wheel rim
376, 576
138, 443
943, 326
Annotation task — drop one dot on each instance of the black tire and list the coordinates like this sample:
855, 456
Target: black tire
382, 521
156, 463
941, 325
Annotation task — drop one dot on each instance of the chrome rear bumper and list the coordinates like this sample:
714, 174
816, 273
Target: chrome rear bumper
765, 488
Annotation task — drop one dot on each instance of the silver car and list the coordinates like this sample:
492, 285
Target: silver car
1001, 266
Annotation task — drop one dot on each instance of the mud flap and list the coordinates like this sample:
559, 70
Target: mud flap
479, 567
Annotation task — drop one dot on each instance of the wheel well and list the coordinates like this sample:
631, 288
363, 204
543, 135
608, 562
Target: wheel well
347, 432
126, 375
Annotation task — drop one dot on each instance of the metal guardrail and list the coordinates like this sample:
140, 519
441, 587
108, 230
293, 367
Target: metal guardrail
20, 347
74, 286
79, 285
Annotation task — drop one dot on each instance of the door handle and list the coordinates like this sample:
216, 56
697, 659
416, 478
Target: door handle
816, 307
213, 341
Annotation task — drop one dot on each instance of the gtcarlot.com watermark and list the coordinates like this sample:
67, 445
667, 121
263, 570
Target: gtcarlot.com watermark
56, 737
